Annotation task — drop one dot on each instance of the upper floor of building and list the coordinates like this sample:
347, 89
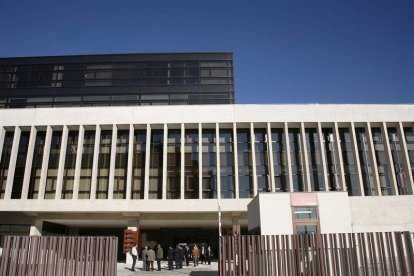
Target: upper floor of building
117, 80
205, 152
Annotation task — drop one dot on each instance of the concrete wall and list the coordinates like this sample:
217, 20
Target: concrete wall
392, 213
253, 214
334, 213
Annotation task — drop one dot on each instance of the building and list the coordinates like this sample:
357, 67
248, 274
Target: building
165, 170
117, 80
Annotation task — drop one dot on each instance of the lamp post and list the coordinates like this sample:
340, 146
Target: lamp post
219, 218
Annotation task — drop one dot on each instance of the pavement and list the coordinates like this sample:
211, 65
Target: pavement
200, 270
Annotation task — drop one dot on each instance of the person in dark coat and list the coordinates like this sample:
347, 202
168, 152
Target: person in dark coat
209, 254
187, 254
178, 256
170, 258
203, 253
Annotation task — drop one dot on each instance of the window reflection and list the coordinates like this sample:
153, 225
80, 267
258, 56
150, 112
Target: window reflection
156, 160
296, 157
209, 163
262, 160
138, 166
121, 167
396, 154
5, 160
350, 170
191, 163
279, 160
53, 165
314, 159
382, 164
227, 164
70, 163
245, 163
104, 164
36, 169
86, 165
174, 164
365, 162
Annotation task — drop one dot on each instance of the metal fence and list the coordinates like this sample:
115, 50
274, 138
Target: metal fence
58, 255
367, 254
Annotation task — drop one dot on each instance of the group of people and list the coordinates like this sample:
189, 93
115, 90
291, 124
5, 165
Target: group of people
177, 255
149, 256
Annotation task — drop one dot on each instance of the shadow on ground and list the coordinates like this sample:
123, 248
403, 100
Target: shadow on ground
203, 273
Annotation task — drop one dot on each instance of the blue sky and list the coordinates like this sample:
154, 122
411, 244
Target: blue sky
287, 51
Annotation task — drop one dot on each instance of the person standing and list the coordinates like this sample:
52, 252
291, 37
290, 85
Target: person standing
170, 258
203, 254
177, 256
144, 258
196, 254
160, 256
134, 255
187, 253
209, 254
150, 259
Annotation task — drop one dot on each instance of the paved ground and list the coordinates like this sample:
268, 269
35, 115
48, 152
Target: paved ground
201, 270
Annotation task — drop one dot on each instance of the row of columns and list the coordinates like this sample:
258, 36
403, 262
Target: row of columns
285, 126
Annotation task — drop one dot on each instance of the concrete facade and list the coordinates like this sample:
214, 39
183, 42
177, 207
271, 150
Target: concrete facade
235, 159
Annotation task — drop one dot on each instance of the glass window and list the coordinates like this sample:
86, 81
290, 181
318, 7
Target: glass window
227, 164
104, 164
121, 164
5, 160
54, 155
365, 162
191, 164
156, 161
20, 165
138, 167
305, 213
174, 164
209, 163
245, 163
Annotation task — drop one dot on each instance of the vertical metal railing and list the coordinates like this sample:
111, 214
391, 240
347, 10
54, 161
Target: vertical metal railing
367, 254
59, 255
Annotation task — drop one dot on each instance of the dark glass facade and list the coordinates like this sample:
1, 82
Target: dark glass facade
123, 79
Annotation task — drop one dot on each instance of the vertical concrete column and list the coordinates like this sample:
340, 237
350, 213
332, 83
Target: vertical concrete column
29, 161
130, 160
340, 160
288, 158
36, 228
147, 161
357, 161
236, 161
405, 158
182, 164
218, 161
12, 162
165, 162
270, 158
62, 159
305, 163
323, 157
388, 154
79, 152
2, 133
373, 158
200, 161
94, 179
45, 162
253, 150
112, 162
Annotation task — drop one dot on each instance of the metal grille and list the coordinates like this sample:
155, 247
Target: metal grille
55, 255
367, 254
